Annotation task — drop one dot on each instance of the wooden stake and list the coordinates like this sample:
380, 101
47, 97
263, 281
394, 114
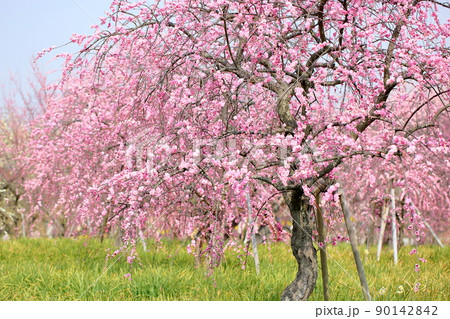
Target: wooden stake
142, 238
394, 226
253, 235
323, 252
430, 229
354, 244
384, 215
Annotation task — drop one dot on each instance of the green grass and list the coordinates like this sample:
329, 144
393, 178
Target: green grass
64, 269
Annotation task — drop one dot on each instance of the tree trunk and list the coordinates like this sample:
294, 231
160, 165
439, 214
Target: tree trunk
302, 249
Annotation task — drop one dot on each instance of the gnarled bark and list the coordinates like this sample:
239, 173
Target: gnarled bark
284, 111
302, 249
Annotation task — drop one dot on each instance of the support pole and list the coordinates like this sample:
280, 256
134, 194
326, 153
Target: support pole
394, 226
323, 252
24, 233
430, 229
253, 235
142, 238
354, 244
384, 215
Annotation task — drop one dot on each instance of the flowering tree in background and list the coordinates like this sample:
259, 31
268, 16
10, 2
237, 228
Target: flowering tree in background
418, 175
18, 109
171, 114
11, 143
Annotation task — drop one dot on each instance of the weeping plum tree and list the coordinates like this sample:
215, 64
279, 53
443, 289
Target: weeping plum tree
172, 113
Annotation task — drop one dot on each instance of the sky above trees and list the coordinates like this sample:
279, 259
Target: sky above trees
30, 26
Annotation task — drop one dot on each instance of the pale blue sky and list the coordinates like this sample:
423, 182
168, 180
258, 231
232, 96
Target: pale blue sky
29, 26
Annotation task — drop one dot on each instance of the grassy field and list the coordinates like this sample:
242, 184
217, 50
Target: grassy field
68, 269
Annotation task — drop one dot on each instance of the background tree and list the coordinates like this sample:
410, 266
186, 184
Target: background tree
18, 109
418, 176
